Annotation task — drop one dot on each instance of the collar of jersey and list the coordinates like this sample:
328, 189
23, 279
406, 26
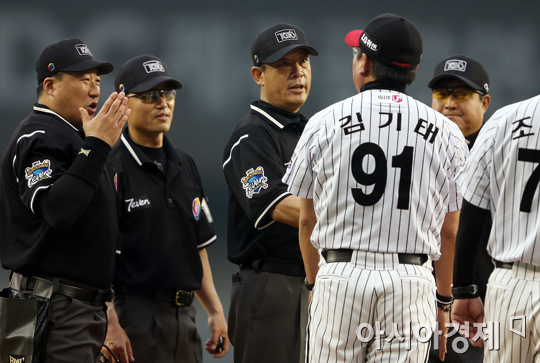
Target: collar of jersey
42, 108
140, 157
275, 116
384, 84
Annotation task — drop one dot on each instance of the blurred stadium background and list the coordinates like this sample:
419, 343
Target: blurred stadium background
206, 44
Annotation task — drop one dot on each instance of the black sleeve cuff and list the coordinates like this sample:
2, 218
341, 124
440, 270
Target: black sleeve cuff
468, 241
90, 161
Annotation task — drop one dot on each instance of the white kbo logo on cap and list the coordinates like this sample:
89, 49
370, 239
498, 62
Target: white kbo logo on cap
286, 34
153, 66
455, 65
83, 49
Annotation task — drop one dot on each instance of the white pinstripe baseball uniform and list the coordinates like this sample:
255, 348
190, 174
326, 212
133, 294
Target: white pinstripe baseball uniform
381, 170
502, 175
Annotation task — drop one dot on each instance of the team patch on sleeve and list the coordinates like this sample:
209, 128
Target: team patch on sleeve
254, 181
38, 171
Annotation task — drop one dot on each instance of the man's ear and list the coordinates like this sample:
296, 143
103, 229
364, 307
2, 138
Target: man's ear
486, 100
365, 65
49, 85
258, 75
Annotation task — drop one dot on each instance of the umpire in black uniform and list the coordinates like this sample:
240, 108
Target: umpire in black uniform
460, 91
58, 223
166, 226
268, 312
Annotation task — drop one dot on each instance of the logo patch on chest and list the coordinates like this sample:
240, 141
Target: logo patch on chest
138, 203
254, 181
38, 171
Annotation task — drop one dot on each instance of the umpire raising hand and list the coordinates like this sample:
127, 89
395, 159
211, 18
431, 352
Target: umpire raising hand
58, 223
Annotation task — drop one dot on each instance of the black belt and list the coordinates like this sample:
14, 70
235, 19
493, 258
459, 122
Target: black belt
176, 298
345, 256
90, 295
500, 264
284, 267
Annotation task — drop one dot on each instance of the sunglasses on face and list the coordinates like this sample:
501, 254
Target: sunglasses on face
153, 96
460, 94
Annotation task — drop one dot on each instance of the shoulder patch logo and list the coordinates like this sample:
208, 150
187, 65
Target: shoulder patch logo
196, 208
254, 181
85, 152
38, 171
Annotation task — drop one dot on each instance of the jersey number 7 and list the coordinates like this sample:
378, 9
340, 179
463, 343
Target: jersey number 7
378, 177
533, 156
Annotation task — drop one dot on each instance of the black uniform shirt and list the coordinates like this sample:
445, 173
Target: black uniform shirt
164, 218
255, 159
57, 202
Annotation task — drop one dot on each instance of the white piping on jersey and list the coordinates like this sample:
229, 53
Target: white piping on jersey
267, 116
207, 242
267, 209
34, 196
30, 135
46, 110
13, 168
130, 149
235, 145
206, 209
19, 139
268, 225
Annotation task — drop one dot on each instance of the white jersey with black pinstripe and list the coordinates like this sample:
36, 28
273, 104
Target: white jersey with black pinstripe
503, 175
381, 169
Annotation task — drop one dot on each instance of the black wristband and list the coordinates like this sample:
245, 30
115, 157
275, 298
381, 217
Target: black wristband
465, 292
444, 299
308, 285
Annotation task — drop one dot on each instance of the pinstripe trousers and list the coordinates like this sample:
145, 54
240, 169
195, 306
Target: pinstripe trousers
513, 304
371, 309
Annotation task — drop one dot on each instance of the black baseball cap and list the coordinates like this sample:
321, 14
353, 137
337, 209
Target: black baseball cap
143, 73
68, 55
275, 42
464, 68
391, 40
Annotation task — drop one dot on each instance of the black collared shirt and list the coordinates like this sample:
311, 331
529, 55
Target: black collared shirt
57, 202
164, 218
254, 161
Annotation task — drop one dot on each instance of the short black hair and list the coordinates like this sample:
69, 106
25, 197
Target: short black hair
380, 72
58, 76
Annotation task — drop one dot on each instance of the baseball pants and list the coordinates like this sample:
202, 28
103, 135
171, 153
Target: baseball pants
159, 331
268, 317
76, 331
513, 301
354, 302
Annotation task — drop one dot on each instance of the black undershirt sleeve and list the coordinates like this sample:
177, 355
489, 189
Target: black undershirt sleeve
64, 202
468, 242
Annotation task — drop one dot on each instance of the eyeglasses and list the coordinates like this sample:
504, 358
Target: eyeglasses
355, 51
460, 94
153, 96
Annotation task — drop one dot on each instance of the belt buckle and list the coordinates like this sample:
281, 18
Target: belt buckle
179, 298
